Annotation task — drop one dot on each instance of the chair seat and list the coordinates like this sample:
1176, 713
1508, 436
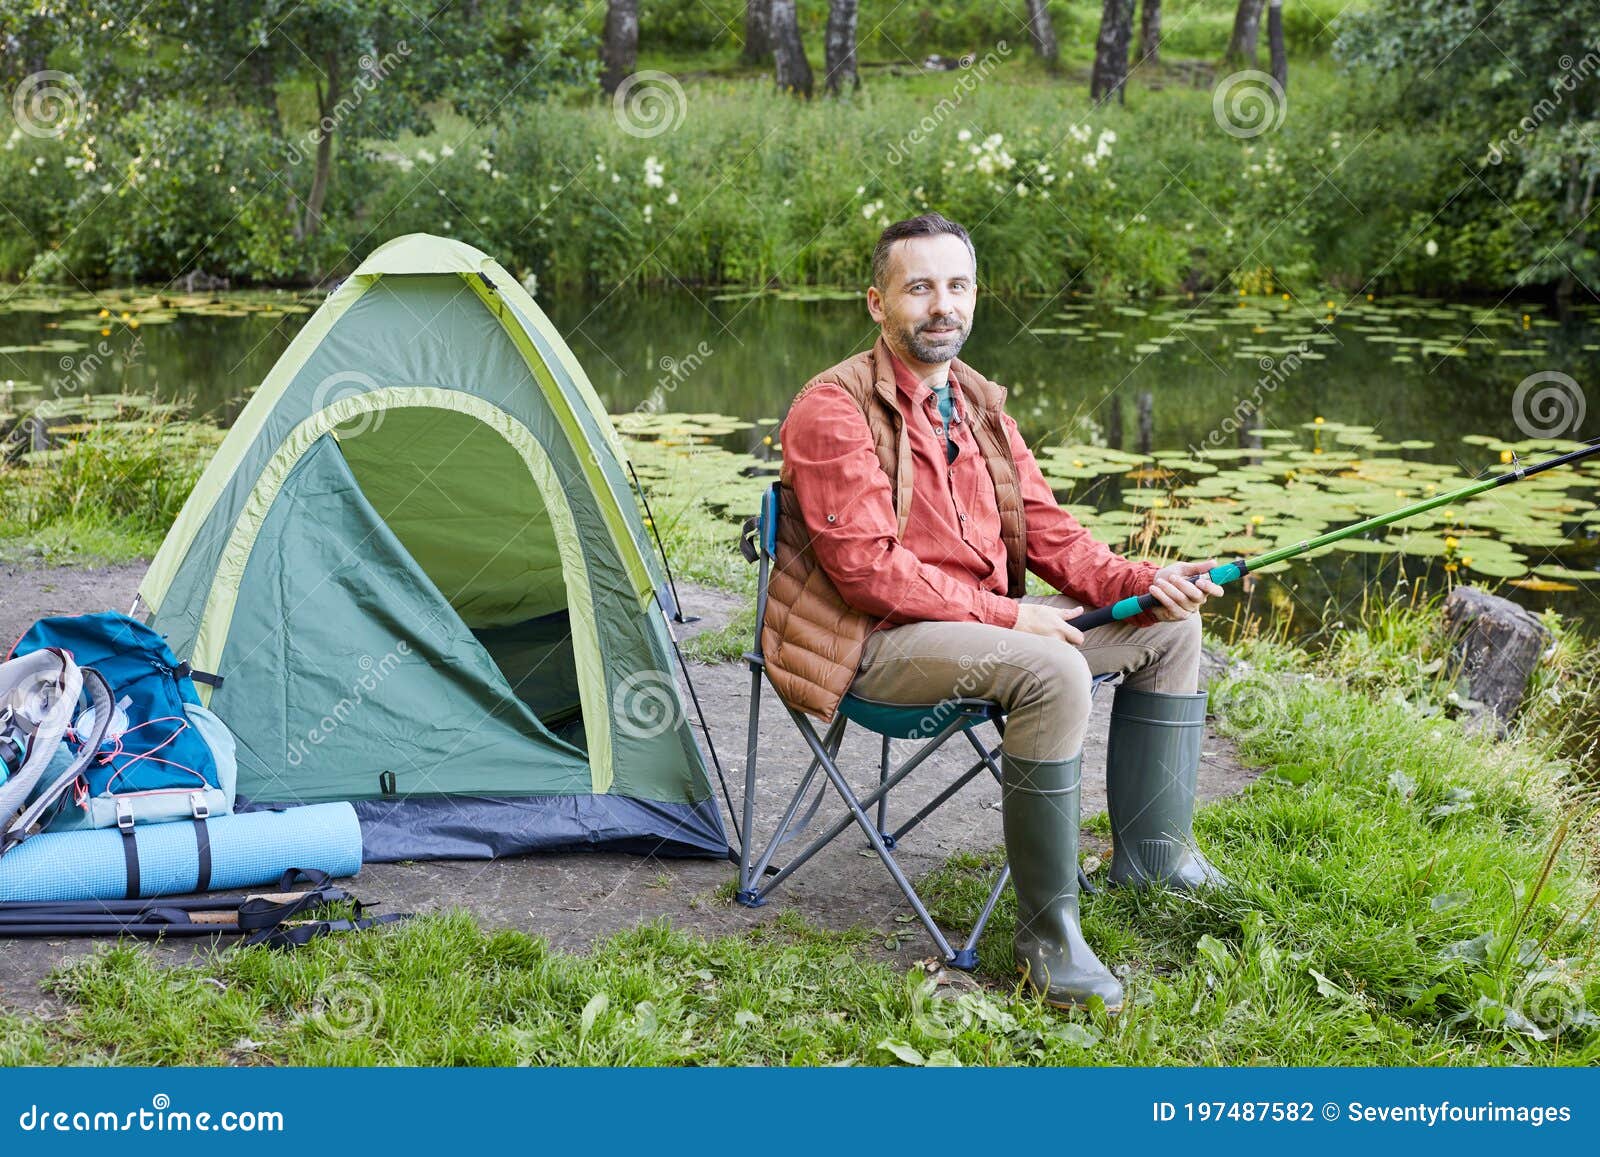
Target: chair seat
924, 720
915, 720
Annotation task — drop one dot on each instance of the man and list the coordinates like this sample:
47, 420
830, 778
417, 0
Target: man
912, 509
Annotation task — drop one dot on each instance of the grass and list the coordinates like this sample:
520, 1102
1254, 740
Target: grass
109, 486
1406, 894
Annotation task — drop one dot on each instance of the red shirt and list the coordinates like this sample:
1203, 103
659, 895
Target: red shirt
951, 564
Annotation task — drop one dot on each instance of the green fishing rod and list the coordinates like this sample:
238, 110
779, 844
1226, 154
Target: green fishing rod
1239, 567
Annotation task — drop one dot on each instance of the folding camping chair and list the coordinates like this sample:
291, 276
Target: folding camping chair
943, 721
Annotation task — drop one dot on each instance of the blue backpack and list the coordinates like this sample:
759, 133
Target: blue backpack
166, 756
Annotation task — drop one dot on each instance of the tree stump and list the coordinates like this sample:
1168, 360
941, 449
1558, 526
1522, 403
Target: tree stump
1498, 645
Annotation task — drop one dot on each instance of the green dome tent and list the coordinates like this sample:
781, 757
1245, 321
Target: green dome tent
416, 565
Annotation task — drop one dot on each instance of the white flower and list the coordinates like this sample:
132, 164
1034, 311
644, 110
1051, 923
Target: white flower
616, 178
446, 151
599, 163
788, 201
860, 189
1431, 248
483, 165
652, 172
1021, 190
426, 157
648, 210
672, 198
964, 136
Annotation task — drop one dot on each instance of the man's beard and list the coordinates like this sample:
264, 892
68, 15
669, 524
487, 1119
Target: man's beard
933, 348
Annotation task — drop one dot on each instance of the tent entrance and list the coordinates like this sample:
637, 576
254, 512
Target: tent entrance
461, 501
536, 658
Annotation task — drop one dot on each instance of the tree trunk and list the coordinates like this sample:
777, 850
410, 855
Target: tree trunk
757, 31
1110, 75
841, 46
788, 51
264, 79
1246, 30
1150, 32
619, 50
1280, 54
1042, 32
327, 102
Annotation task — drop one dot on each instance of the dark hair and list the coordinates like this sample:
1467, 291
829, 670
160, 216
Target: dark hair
927, 225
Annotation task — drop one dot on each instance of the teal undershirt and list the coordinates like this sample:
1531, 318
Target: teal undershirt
946, 412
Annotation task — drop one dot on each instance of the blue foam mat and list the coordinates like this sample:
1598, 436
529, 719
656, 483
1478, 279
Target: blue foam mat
246, 850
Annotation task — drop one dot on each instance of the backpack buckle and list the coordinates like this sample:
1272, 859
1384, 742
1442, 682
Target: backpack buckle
124, 816
197, 801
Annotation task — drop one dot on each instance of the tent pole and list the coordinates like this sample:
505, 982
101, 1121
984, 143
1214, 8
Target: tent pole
672, 583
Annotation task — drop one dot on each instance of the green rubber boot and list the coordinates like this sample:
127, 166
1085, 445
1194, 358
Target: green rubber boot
1039, 808
1152, 767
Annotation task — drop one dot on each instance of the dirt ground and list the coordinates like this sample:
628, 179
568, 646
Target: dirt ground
575, 898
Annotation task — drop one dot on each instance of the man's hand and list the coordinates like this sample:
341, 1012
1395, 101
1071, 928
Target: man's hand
1180, 598
1051, 622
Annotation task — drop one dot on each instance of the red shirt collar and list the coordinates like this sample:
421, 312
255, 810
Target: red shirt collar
911, 386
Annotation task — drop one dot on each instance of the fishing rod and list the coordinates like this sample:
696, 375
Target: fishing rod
1239, 567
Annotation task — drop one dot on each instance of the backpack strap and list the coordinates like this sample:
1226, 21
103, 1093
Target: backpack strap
48, 736
185, 671
294, 935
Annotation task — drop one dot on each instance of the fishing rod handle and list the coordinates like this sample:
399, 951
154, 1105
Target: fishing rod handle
1127, 608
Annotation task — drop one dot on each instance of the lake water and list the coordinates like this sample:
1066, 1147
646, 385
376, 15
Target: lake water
1366, 405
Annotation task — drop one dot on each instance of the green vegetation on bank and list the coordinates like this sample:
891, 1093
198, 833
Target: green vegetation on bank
1407, 894
754, 188
894, 33
723, 182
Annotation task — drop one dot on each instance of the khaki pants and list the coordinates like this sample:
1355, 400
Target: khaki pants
1042, 684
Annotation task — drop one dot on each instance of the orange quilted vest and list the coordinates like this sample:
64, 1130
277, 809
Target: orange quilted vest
811, 638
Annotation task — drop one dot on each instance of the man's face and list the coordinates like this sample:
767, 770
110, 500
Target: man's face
925, 304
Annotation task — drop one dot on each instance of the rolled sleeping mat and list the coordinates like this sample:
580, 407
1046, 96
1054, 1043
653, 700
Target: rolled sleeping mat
242, 851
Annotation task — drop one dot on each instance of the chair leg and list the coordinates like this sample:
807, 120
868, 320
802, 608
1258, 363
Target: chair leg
883, 800
746, 894
830, 744
967, 958
843, 788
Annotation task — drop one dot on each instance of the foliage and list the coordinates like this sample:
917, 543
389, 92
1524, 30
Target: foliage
186, 78
902, 33
1520, 78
